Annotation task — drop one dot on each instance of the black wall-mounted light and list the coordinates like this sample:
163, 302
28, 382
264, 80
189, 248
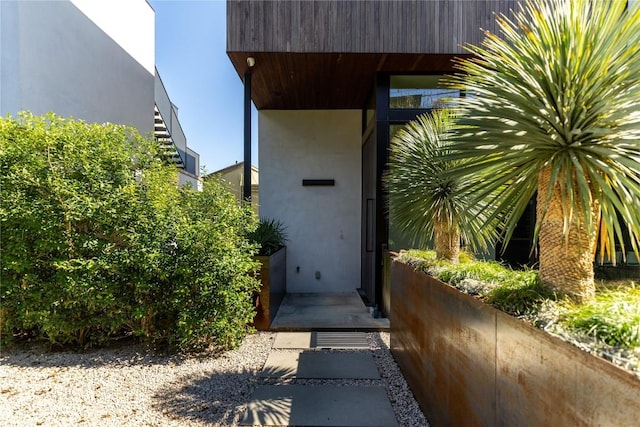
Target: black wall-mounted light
318, 182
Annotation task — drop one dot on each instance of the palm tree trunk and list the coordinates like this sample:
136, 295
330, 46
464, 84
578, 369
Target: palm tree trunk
447, 240
566, 263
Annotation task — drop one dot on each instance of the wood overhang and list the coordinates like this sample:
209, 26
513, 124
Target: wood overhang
290, 81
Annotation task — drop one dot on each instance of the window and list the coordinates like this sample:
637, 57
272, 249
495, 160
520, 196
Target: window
394, 128
418, 92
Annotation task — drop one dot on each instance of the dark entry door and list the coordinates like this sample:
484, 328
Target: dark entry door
368, 275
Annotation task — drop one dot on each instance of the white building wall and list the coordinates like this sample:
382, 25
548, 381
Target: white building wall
130, 23
323, 223
185, 178
55, 58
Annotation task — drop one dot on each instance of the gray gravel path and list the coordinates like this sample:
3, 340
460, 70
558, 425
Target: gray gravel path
131, 387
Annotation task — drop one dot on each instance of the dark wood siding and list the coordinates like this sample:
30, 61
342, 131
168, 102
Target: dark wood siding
354, 26
326, 53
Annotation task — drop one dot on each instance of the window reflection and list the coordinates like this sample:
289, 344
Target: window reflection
393, 129
419, 92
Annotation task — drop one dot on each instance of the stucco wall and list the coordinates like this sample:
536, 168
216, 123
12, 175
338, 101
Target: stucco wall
54, 58
323, 223
186, 178
130, 23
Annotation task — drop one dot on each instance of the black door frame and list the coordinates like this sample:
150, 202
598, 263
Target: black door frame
384, 117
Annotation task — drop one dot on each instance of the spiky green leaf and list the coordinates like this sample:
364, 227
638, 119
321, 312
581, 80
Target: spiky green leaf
421, 194
559, 86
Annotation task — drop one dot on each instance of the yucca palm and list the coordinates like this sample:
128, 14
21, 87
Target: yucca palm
424, 204
554, 107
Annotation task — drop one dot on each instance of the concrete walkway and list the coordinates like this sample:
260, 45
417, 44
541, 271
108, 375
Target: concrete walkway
302, 383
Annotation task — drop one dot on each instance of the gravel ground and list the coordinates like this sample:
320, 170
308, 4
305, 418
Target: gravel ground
129, 386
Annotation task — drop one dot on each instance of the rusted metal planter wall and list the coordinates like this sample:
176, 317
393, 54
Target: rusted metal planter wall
470, 364
273, 277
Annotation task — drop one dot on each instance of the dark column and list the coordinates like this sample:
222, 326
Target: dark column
246, 194
382, 159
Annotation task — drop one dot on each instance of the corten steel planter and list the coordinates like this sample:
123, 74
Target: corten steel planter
273, 279
468, 364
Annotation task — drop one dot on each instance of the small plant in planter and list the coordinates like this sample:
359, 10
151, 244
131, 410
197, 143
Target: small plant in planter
270, 236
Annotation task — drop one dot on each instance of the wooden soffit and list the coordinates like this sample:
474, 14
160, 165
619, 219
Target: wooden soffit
289, 81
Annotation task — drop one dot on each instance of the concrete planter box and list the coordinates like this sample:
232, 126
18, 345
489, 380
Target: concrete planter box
273, 277
470, 364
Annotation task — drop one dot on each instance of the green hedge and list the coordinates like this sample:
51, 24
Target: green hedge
99, 241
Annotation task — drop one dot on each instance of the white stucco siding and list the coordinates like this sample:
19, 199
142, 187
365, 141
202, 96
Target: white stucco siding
185, 178
130, 23
54, 58
323, 223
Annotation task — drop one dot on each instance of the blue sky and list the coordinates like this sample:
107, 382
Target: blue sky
197, 73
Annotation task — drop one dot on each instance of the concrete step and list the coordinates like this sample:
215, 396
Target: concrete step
326, 312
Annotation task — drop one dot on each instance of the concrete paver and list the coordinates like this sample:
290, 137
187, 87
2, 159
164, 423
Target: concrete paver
300, 404
292, 340
320, 364
329, 406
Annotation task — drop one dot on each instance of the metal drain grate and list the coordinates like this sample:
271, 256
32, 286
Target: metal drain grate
339, 340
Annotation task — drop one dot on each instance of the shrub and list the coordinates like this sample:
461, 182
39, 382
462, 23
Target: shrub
515, 292
522, 296
614, 317
204, 271
97, 240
